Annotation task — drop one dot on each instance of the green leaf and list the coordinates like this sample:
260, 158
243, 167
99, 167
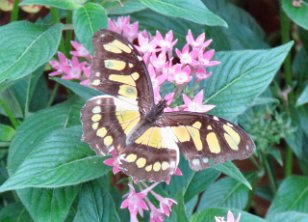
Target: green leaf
6, 133
95, 204
87, 20
194, 11
123, 7
48, 205
298, 14
60, 159
178, 211
292, 195
240, 78
232, 171
62, 4
303, 98
82, 91
14, 212
208, 215
38, 126
225, 192
200, 182
288, 216
25, 47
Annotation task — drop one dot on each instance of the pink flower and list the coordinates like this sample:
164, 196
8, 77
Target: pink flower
182, 76
146, 45
156, 215
159, 62
195, 43
81, 51
119, 24
196, 105
135, 202
230, 218
187, 57
165, 203
201, 73
60, 65
166, 44
130, 31
113, 162
74, 70
205, 59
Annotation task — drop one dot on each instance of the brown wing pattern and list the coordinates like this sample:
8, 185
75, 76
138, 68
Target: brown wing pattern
106, 122
204, 138
118, 70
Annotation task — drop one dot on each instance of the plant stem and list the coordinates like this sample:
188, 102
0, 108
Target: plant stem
15, 11
270, 175
69, 32
53, 94
9, 113
287, 65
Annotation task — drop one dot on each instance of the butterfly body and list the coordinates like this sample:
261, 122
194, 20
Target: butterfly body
148, 140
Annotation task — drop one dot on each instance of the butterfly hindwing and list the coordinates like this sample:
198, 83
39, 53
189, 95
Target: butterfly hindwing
107, 121
118, 71
205, 139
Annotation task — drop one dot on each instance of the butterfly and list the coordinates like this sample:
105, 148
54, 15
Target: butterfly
148, 140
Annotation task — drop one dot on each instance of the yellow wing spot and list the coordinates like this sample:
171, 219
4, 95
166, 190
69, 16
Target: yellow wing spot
121, 46
101, 132
108, 140
156, 166
148, 168
95, 126
213, 143
141, 162
234, 135
231, 142
197, 124
135, 75
111, 48
155, 138
122, 79
130, 65
144, 138
164, 165
96, 109
195, 135
96, 82
209, 127
114, 64
131, 158
128, 91
96, 117
181, 133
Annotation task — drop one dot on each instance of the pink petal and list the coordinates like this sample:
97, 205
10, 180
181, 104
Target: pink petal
199, 97
230, 217
186, 99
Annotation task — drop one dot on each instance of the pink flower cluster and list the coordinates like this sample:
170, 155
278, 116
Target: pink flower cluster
157, 52
138, 202
230, 218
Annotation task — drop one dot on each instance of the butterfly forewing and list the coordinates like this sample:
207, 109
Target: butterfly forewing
117, 70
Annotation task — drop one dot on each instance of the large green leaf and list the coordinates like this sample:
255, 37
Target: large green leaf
25, 47
232, 171
225, 192
95, 204
6, 133
288, 216
63, 4
14, 212
298, 14
60, 159
123, 7
208, 215
303, 98
48, 205
200, 182
87, 20
292, 195
194, 11
240, 78
80, 90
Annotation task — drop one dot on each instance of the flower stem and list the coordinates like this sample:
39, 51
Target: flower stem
287, 65
53, 94
15, 11
270, 175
